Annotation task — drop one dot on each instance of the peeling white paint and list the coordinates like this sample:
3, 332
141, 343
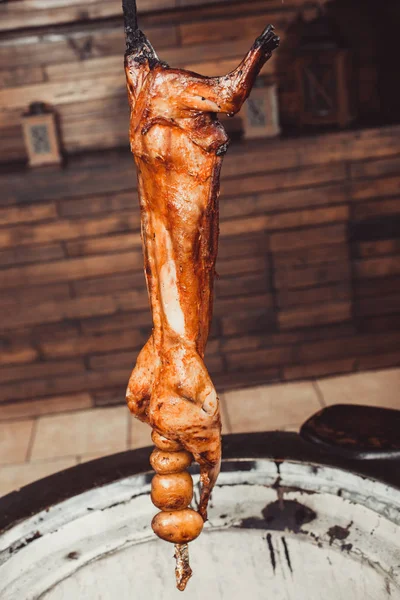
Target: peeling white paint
117, 557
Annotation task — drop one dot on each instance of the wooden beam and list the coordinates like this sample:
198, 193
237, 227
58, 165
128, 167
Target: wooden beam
82, 90
56, 311
30, 14
114, 170
285, 220
67, 229
41, 13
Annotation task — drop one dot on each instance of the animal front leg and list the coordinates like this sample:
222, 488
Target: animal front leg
185, 407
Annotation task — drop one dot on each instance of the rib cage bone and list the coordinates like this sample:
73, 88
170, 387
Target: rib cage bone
178, 146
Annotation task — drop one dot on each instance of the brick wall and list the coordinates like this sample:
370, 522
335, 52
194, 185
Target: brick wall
309, 267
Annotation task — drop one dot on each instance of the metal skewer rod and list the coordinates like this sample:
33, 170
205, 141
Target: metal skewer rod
130, 24
183, 571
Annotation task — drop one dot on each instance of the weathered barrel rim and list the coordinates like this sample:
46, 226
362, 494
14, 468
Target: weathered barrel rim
276, 446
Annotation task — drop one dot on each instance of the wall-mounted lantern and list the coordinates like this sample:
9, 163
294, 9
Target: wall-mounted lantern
40, 135
324, 75
260, 112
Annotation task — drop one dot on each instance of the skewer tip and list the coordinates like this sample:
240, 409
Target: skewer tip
183, 571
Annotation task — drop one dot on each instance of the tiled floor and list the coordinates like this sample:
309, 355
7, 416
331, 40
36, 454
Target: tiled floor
32, 447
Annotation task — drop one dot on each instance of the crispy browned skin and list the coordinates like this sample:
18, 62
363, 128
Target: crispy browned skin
178, 145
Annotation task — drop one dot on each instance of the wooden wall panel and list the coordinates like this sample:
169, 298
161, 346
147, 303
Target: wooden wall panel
70, 56
298, 297
56, 310
31, 254
35, 13
94, 177
19, 14
309, 265
320, 369
92, 344
64, 229
314, 315
21, 299
308, 271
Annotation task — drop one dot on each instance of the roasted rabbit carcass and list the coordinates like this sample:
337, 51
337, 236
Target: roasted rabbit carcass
178, 145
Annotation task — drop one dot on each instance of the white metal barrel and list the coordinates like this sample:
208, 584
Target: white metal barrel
285, 523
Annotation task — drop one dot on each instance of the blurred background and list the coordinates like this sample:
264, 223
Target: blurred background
309, 266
